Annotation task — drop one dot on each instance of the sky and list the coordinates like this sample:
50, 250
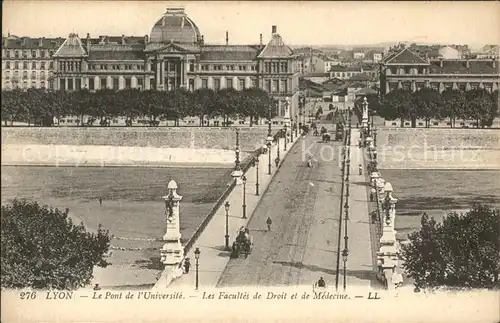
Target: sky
298, 22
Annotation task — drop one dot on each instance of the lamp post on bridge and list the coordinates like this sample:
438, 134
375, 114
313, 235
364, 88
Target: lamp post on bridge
345, 254
226, 207
244, 206
256, 165
197, 257
269, 139
286, 135
237, 172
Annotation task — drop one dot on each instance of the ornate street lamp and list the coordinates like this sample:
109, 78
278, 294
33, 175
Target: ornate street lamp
256, 165
244, 206
197, 257
286, 134
226, 207
345, 254
237, 173
269, 138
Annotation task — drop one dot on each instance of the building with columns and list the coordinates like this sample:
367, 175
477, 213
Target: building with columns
406, 69
174, 56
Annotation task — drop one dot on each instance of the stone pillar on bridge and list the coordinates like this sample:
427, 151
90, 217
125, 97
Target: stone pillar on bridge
172, 252
364, 120
387, 256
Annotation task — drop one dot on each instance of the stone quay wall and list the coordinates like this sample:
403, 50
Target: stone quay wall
420, 148
113, 146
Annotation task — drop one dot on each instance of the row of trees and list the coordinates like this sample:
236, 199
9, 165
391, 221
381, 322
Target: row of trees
426, 104
36, 106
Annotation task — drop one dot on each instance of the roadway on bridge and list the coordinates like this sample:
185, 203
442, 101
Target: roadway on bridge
303, 204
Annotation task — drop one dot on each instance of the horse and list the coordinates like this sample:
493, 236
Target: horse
243, 243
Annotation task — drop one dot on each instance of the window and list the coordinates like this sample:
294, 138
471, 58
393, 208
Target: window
229, 83
253, 82
25, 65
252, 67
191, 85
283, 67
217, 67
33, 85
16, 54
435, 86
284, 86
241, 84
462, 86
78, 84
70, 84
91, 84
268, 85
230, 67
51, 53
33, 65
116, 85
128, 82
217, 84
33, 74
43, 85
42, 54
7, 64
274, 67
25, 75
42, 65
51, 64
33, 53
267, 67
276, 86
25, 54
204, 67
191, 66
204, 83
488, 87
242, 68
140, 82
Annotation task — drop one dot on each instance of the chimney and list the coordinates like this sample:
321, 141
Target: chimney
260, 40
146, 39
40, 42
123, 39
274, 30
227, 38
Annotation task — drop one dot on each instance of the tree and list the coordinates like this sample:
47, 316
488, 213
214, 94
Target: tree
463, 251
454, 105
43, 249
428, 103
480, 107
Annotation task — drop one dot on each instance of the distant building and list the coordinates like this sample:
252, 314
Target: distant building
316, 77
27, 62
357, 55
346, 72
448, 52
408, 70
330, 63
489, 52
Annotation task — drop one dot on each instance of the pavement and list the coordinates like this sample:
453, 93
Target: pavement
211, 242
304, 204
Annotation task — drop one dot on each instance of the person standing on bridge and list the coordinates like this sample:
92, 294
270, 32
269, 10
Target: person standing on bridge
269, 222
187, 264
360, 168
100, 200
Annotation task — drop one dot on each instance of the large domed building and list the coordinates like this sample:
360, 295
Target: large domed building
174, 55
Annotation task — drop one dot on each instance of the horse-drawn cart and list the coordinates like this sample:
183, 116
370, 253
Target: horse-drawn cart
242, 244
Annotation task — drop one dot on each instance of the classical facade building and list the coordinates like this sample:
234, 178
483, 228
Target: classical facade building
27, 62
174, 56
406, 69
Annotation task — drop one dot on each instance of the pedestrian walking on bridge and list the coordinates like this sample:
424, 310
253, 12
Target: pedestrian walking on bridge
360, 168
269, 222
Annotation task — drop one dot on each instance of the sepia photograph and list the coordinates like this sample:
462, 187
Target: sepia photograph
250, 161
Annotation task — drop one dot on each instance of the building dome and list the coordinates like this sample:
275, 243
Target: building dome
175, 26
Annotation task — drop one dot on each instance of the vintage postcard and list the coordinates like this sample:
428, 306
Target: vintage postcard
253, 161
